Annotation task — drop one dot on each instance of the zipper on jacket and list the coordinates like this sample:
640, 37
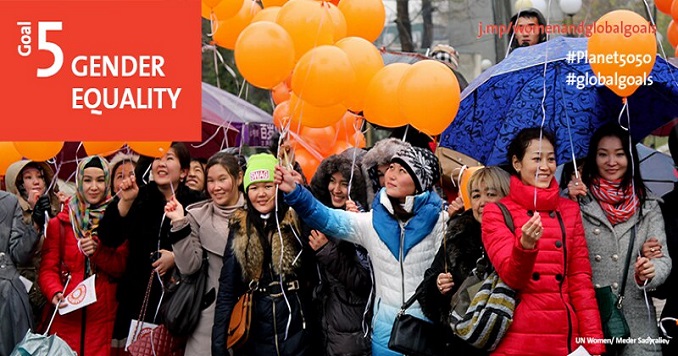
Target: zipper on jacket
401, 258
567, 308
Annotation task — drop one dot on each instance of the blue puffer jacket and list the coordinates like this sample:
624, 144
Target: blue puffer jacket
400, 251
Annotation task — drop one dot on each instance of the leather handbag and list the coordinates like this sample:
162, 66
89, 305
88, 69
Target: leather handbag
413, 336
482, 308
610, 305
156, 341
180, 314
241, 318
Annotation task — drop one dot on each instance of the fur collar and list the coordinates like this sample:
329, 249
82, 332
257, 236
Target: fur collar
249, 253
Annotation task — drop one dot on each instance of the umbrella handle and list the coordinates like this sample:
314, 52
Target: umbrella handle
68, 279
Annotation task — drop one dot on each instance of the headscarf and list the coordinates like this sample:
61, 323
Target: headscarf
84, 216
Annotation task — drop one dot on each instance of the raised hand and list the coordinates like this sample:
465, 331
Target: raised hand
129, 189
285, 179
531, 232
41, 206
88, 245
352, 206
174, 210
456, 207
317, 240
576, 189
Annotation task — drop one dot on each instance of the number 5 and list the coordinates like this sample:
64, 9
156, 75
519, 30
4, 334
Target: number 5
43, 44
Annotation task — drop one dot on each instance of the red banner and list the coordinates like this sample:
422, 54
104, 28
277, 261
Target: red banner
100, 70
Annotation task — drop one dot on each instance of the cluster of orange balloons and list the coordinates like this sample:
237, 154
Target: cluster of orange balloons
11, 152
670, 7
639, 44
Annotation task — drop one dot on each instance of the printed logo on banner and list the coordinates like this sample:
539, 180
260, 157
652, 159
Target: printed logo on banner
77, 295
102, 70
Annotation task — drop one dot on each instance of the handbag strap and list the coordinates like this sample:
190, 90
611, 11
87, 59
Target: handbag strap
508, 219
144, 306
483, 264
626, 267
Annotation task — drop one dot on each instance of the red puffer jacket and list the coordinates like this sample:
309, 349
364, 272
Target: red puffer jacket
557, 309
108, 263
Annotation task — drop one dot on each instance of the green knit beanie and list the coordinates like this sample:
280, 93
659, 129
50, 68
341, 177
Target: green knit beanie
260, 168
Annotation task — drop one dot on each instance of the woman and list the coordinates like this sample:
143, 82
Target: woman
375, 163
137, 216
29, 181
257, 256
404, 226
72, 247
18, 241
205, 227
458, 255
346, 277
122, 166
196, 174
614, 203
545, 260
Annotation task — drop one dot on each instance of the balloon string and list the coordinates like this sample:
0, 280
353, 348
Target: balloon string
621, 113
543, 100
569, 136
356, 127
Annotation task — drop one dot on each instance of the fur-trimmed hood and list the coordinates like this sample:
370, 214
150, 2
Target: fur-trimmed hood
380, 153
343, 164
249, 253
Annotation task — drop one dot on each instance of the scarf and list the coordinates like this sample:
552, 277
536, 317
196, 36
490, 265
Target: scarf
618, 204
213, 221
85, 217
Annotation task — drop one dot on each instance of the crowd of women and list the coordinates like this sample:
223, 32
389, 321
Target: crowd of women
330, 263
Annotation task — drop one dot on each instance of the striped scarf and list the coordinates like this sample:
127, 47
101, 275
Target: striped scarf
618, 204
85, 217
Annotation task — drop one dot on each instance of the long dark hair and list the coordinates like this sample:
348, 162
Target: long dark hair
630, 176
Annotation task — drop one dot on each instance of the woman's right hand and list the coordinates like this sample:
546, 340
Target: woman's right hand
129, 189
58, 300
284, 179
576, 189
174, 210
445, 283
531, 232
456, 207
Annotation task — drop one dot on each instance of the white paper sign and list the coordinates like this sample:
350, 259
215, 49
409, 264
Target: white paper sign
145, 329
83, 295
580, 351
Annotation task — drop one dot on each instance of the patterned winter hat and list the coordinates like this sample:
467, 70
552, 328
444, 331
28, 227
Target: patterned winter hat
421, 164
446, 54
260, 168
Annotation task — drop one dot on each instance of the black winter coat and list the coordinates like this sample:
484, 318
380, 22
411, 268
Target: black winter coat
462, 248
142, 228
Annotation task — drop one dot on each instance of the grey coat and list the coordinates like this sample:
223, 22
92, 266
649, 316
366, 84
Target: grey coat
17, 241
608, 246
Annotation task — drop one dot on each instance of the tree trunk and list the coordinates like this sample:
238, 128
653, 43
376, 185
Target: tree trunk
404, 26
427, 14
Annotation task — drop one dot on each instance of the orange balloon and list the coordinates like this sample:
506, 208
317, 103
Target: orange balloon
227, 9
381, 100
314, 116
348, 125
229, 29
101, 147
321, 139
8, 155
672, 33
264, 54
674, 10
639, 50
212, 3
154, 149
340, 146
364, 18
366, 61
323, 76
270, 3
267, 14
664, 6
434, 84
280, 93
38, 150
281, 117
357, 140
307, 23
464, 189
338, 20
308, 162
205, 11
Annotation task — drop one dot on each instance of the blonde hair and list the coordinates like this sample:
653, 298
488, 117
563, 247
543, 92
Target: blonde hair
493, 177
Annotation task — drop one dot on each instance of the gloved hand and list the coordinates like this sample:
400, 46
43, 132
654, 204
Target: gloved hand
41, 206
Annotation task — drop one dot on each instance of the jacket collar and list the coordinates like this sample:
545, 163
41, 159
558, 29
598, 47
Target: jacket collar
547, 198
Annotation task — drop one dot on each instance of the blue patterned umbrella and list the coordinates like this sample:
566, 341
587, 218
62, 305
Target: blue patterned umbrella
508, 97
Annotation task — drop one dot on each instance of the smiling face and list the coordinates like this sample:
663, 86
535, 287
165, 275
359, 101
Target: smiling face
398, 182
611, 159
167, 170
262, 196
33, 181
94, 185
196, 176
338, 188
538, 164
221, 186
124, 170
